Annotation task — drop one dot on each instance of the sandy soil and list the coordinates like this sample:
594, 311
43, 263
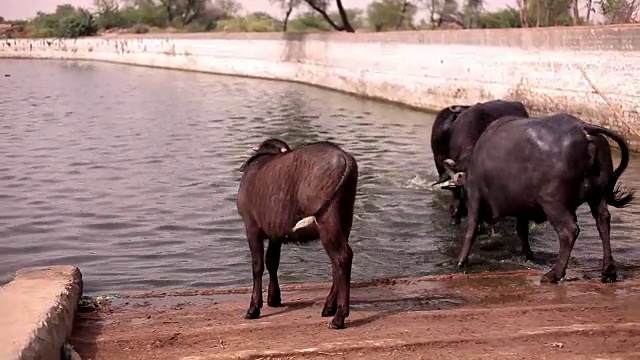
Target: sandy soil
501, 315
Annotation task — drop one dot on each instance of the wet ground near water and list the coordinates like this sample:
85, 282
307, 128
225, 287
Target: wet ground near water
506, 315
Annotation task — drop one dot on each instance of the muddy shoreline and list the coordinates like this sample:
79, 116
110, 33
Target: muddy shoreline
494, 315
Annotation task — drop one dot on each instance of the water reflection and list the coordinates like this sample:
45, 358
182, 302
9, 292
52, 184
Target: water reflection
131, 173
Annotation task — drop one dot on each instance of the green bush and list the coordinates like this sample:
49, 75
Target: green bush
36, 33
150, 15
309, 21
507, 18
250, 23
80, 23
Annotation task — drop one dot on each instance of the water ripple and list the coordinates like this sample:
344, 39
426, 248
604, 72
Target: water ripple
135, 180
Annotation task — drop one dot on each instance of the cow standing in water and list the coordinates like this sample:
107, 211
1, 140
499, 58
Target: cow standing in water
297, 196
539, 169
441, 134
456, 136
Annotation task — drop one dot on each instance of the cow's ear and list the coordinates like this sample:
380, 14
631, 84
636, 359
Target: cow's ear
450, 167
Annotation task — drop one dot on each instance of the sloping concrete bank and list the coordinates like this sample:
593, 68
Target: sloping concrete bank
37, 310
480, 316
428, 69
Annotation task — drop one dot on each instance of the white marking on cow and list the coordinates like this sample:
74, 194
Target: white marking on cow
283, 150
304, 223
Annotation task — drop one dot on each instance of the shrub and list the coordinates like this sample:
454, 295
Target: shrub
80, 23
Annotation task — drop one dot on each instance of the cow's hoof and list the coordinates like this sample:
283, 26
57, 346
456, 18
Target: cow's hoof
462, 263
328, 311
252, 313
336, 324
549, 278
275, 302
609, 277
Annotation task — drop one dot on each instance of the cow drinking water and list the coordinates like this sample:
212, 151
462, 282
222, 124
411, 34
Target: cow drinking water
456, 136
539, 169
298, 196
440, 135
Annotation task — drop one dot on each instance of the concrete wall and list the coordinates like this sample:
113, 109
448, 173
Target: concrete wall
429, 69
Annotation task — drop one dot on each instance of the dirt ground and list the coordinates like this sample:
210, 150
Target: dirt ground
500, 315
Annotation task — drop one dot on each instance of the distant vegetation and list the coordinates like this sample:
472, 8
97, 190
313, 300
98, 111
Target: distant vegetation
142, 16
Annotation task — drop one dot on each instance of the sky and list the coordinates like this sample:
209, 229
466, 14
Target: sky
21, 9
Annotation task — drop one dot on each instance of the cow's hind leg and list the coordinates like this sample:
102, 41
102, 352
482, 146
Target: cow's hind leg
341, 255
331, 303
522, 229
601, 214
565, 224
256, 245
273, 261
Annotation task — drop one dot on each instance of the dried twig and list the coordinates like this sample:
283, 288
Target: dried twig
606, 100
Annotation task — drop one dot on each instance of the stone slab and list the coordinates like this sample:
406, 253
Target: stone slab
37, 310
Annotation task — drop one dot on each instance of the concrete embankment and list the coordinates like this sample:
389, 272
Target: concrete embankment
37, 311
428, 69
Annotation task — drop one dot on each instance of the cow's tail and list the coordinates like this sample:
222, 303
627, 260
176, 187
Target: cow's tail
616, 195
349, 167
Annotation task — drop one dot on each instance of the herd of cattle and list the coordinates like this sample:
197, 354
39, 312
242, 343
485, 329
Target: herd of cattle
495, 159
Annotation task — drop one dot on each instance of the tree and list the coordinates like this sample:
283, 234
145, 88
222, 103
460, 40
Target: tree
619, 11
228, 8
186, 11
391, 14
321, 7
590, 10
108, 13
80, 23
576, 12
548, 12
471, 12
191, 9
434, 7
449, 8
1, 20
523, 6
287, 6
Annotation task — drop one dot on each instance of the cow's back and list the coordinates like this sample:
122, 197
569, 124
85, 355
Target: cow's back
472, 123
517, 161
282, 190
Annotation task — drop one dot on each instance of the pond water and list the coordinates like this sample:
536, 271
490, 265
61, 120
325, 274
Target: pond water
131, 174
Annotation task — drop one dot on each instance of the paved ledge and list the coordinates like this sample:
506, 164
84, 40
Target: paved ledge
37, 310
507, 315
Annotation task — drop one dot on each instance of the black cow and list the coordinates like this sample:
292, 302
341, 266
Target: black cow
462, 136
440, 135
297, 196
539, 169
